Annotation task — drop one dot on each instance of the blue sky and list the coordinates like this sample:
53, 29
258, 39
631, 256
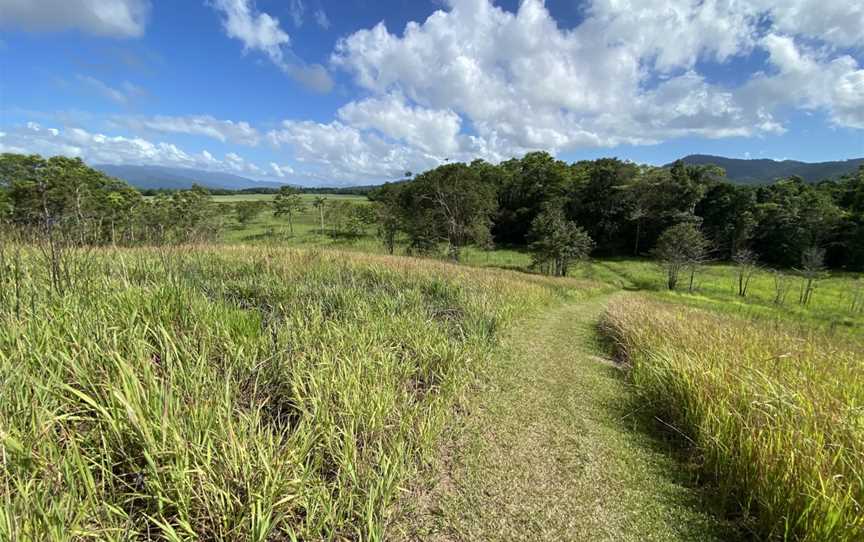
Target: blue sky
354, 91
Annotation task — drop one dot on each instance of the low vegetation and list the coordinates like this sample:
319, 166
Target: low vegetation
170, 369
239, 394
775, 417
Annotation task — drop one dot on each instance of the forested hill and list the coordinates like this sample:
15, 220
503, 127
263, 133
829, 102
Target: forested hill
173, 178
765, 171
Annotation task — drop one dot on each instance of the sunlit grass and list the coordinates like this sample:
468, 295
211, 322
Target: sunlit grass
832, 308
238, 393
776, 417
833, 305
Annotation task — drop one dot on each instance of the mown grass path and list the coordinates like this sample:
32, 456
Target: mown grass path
551, 450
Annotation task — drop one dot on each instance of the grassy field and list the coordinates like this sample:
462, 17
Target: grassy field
233, 393
775, 418
308, 198
291, 387
268, 229
837, 304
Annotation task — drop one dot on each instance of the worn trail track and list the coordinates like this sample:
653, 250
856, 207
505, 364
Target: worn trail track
554, 448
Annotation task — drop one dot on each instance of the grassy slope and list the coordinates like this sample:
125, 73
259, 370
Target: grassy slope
233, 394
716, 285
716, 288
550, 449
774, 416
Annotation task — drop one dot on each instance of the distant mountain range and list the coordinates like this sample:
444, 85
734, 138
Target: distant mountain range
149, 177
765, 171
739, 171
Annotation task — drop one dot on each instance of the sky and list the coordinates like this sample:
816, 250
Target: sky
338, 92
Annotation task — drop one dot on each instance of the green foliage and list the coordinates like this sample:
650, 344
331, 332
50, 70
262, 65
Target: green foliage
320, 203
246, 211
526, 188
680, 247
730, 217
452, 204
6, 206
793, 216
350, 219
623, 207
287, 203
389, 215
68, 202
558, 242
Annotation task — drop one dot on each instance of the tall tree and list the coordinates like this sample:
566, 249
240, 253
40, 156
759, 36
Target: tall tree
246, 211
558, 242
526, 186
452, 203
386, 200
793, 215
601, 202
747, 263
729, 216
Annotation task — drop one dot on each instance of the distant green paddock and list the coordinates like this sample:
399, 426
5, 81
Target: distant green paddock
269, 229
716, 288
269, 197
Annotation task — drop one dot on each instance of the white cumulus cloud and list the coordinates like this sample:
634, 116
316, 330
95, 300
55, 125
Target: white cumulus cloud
113, 18
239, 132
432, 131
98, 148
258, 31
339, 152
476, 80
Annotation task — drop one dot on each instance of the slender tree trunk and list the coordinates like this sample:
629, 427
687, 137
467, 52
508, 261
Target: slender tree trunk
672, 277
638, 233
454, 251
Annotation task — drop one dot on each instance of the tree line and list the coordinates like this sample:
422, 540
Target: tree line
610, 207
684, 215
65, 201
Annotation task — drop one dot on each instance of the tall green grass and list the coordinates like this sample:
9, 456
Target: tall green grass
836, 304
246, 394
776, 417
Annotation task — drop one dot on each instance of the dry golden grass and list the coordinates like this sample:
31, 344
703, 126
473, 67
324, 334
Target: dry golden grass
777, 418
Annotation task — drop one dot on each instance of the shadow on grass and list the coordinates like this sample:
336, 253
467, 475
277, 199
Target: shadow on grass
267, 236
681, 461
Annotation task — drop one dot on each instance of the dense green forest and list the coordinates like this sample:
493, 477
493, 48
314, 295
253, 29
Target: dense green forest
624, 208
560, 211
